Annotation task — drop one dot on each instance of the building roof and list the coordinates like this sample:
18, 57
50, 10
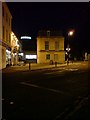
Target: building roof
49, 33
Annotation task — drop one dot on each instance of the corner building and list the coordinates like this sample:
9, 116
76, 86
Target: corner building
50, 47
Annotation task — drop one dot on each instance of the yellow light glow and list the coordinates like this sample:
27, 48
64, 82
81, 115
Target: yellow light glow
12, 33
17, 45
71, 33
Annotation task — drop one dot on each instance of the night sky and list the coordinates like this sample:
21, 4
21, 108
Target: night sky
30, 17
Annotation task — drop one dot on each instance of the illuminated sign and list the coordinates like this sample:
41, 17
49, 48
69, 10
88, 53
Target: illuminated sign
25, 37
20, 54
31, 56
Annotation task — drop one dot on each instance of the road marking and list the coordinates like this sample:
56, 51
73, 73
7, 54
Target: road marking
49, 89
61, 71
54, 72
71, 69
74, 110
67, 69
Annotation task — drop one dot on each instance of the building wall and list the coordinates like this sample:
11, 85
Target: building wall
6, 25
3, 57
5, 32
41, 52
0, 35
15, 49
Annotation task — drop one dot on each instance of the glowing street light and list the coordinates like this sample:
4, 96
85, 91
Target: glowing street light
68, 49
70, 33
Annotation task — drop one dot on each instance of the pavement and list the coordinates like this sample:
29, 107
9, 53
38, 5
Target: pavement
35, 66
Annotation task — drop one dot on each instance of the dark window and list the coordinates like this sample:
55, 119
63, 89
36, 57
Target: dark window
9, 37
9, 21
3, 32
48, 33
48, 57
6, 35
46, 45
3, 11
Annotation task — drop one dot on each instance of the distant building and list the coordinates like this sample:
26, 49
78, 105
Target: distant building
5, 35
50, 47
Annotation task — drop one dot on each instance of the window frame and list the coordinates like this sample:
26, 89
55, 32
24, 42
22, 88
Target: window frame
46, 45
47, 56
56, 45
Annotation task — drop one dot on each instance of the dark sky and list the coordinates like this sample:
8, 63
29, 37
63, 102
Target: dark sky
30, 17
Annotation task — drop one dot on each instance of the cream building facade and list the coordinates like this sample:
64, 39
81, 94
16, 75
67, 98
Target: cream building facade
50, 48
0, 35
9, 44
5, 35
15, 49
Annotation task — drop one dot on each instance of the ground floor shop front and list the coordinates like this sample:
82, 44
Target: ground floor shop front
7, 58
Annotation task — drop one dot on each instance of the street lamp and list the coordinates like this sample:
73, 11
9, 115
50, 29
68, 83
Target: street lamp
70, 33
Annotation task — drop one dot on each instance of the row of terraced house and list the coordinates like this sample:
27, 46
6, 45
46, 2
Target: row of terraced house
9, 43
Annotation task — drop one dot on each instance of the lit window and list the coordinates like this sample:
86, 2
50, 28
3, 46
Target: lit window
48, 57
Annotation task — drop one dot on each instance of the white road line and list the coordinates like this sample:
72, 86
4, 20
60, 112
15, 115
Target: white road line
67, 69
61, 71
71, 69
76, 108
49, 89
53, 72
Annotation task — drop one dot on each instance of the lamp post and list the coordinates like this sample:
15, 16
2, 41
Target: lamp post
70, 33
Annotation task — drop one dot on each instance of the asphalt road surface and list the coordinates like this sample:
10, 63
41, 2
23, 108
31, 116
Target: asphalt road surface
52, 94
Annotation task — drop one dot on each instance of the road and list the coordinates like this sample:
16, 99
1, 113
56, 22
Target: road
59, 93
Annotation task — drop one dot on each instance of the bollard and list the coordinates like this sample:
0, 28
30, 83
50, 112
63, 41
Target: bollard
67, 62
55, 64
